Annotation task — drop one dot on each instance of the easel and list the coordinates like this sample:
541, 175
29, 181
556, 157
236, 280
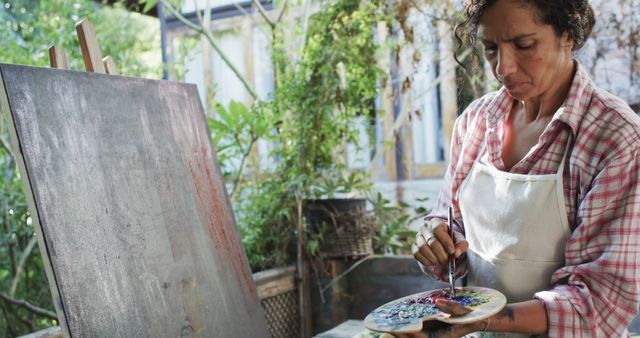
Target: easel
93, 60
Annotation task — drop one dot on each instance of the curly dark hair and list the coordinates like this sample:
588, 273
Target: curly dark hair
572, 16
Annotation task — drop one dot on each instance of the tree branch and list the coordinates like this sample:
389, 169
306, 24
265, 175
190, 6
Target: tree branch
284, 8
263, 13
6, 147
240, 169
248, 15
23, 259
32, 308
214, 44
5, 314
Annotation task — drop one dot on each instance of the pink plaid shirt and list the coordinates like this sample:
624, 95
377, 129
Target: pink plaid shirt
596, 293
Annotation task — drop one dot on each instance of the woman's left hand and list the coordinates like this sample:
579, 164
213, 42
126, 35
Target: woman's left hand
439, 329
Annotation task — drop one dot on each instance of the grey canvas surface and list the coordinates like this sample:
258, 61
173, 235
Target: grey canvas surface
139, 237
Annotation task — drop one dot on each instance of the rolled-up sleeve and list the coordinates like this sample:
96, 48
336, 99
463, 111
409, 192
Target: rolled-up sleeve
596, 293
464, 125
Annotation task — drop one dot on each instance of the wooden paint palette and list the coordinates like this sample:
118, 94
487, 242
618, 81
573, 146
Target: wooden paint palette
406, 315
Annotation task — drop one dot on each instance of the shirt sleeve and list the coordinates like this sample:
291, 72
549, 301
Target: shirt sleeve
444, 199
439, 211
596, 293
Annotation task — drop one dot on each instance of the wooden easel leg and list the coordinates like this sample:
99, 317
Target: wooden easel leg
58, 58
90, 49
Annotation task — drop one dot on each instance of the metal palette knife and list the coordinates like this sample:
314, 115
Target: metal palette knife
137, 235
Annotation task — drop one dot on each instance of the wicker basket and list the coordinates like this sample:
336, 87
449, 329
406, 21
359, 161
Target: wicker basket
346, 229
279, 298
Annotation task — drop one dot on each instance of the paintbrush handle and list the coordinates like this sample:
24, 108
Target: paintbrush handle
452, 260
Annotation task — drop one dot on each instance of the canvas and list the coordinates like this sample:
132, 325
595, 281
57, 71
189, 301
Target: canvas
129, 205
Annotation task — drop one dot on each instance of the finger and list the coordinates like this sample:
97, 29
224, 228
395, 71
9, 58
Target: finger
452, 307
461, 247
442, 233
428, 256
424, 239
421, 251
434, 325
424, 260
438, 251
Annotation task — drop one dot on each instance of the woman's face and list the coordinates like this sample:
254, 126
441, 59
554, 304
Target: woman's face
525, 55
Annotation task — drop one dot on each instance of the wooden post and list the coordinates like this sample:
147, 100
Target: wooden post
247, 43
58, 58
109, 65
207, 64
93, 60
90, 49
387, 106
339, 292
448, 88
304, 278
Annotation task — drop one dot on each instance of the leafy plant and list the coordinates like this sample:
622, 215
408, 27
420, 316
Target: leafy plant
318, 99
392, 234
235, 131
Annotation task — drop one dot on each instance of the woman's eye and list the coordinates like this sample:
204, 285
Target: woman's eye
523, 46
489, 49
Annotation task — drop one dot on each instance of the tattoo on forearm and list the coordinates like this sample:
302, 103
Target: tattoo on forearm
507, 312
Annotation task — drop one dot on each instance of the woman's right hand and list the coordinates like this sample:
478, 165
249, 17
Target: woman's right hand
433, 244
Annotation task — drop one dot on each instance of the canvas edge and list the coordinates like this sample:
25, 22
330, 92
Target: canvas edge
215, 165
5, 109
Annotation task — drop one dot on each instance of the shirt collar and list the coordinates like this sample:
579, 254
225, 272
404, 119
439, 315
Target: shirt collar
578, 100
570, 113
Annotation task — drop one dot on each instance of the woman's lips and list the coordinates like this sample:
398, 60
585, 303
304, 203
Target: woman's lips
514, 86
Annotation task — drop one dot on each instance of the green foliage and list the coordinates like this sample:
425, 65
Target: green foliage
33, 26
268, 231
335, 82
312, 117
234, 132
310, 121
16, 232
392, 235
29, 29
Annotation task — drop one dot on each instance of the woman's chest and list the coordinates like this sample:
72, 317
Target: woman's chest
518, 138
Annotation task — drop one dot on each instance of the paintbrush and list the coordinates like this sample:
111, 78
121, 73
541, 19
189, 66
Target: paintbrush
452, 258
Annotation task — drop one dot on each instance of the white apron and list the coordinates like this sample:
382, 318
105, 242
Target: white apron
517, 228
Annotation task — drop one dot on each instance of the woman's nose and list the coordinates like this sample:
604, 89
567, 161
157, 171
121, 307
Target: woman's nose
506, 64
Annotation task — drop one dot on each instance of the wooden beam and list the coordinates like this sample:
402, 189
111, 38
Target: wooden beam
90, 48
58, 58
273, 282
109, 65
247, 45
207, 64
386, 98
448, 87
430, 170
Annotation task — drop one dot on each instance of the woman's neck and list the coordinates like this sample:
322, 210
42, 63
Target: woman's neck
547, 103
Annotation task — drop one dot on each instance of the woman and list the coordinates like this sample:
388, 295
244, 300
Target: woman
543, 180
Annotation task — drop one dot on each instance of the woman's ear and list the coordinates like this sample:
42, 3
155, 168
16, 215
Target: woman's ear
566, 41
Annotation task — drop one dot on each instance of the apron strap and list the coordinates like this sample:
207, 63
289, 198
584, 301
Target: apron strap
565, 154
